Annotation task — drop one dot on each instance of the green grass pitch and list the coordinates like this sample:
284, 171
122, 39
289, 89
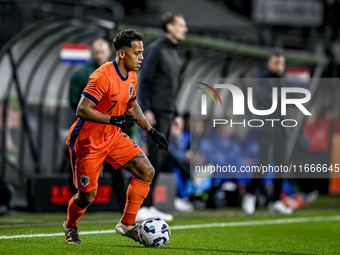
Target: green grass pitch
313, 230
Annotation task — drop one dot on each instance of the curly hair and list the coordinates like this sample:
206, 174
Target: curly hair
125, 38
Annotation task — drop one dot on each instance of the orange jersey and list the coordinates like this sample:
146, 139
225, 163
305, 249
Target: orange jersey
111, 92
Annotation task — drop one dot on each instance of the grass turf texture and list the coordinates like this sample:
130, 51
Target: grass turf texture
310, 237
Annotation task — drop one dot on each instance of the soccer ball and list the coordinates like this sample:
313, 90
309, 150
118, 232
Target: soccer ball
154, 232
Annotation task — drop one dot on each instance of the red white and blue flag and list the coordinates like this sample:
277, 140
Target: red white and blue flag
298, 76
75, 53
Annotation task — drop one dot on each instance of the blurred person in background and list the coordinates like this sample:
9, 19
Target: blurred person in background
272, 141
318, 135
218, 147
317, 132
159, 82
101, 53
179, 163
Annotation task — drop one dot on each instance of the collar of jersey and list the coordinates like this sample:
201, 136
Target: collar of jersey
118, 72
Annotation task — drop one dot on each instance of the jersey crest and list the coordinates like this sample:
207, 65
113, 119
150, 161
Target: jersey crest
84, 180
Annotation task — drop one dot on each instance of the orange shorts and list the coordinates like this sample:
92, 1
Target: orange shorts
86, 167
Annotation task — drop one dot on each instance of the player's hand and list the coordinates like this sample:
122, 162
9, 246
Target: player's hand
123, 121
158, 138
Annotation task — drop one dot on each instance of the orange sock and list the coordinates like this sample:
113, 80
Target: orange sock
73, 213
135, 195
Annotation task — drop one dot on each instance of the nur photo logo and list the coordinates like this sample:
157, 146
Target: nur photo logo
204, 97
281, 98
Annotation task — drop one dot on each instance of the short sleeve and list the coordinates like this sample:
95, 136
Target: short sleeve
134, 84
96, 87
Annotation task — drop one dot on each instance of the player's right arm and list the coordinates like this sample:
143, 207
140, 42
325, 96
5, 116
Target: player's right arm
92, 95
86, 111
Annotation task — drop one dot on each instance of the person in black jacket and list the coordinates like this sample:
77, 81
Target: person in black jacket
158, 87
272, 140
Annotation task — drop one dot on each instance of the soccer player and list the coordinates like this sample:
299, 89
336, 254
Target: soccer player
108, 103
101, 53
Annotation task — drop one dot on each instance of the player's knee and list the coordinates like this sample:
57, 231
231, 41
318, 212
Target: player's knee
89, 199
149, 174
86, 198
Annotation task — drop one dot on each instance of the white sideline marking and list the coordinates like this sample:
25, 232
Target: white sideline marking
210, 225
260, 222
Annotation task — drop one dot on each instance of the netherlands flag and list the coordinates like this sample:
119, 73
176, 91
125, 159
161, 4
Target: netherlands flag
75, 53
298, 76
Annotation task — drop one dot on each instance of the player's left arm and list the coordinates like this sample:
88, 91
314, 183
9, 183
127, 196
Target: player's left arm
134, 109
